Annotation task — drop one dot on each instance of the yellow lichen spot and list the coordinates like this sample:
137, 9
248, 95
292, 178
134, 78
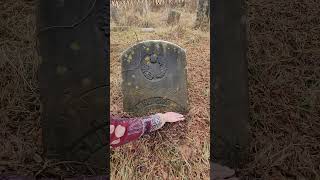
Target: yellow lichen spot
129, 58
147, 59
173, 104
147, 49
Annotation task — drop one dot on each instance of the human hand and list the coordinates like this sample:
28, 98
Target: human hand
170, 117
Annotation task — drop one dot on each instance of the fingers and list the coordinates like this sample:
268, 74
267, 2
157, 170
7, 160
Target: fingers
174, 113
180, 119
173, 117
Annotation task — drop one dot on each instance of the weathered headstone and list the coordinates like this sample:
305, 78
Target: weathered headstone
154, 78
173, 17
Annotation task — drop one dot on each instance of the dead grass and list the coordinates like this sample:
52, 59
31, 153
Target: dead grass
179, 151
131, 17
19, 97
284, 89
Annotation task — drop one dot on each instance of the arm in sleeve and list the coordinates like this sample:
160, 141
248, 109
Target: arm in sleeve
124, 130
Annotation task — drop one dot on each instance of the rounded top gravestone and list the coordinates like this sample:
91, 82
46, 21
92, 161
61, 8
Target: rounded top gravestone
154, 78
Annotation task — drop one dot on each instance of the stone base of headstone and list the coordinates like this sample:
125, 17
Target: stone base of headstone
147, 30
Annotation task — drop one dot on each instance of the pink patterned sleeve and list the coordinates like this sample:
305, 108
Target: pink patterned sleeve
124, 130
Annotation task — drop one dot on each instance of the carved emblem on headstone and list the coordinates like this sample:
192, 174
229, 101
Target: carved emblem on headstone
154, 67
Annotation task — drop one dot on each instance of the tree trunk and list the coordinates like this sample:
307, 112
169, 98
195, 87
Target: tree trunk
114, 14
203, 14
